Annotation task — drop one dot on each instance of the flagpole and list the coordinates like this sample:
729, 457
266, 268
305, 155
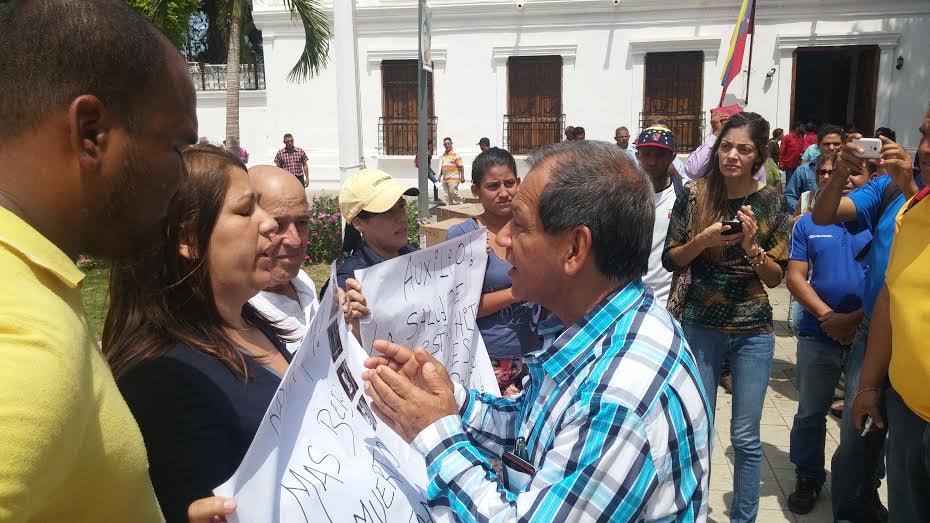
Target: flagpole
422, 131
752, 41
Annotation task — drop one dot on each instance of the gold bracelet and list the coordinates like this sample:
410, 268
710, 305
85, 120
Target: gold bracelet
865, 390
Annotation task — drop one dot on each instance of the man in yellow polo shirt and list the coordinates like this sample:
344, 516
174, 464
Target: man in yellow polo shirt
452, 171
898, 347
95, 106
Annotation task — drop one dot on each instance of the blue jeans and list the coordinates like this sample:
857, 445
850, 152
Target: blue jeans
857, 466
818, 369
433, 178
750, 357
908, 462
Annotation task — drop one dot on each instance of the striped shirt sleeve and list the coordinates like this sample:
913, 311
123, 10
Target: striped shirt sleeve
491, 421
600, 466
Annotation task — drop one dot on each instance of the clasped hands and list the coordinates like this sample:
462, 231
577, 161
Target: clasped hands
840, 327
409, 390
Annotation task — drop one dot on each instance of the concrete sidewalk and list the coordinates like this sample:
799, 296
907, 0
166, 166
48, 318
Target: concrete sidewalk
781, 404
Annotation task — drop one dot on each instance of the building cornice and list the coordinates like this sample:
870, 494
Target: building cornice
247, 98
450, 17
453, 17
710, 46
788, 43
500, 53
376, 56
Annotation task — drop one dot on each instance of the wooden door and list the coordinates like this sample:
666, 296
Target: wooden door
867, 88
534, 106
672, 92
399, 105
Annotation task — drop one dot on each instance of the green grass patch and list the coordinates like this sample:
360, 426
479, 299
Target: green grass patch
94, 296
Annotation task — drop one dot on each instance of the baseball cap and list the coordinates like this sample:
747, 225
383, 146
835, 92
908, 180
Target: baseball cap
484, 141
657, 136
371, 190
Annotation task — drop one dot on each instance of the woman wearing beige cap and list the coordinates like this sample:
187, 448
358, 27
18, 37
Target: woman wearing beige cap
372, 202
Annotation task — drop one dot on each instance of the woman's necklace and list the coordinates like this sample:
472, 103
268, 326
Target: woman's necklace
738, 207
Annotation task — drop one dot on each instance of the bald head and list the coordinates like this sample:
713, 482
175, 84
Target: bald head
274, 183
283, 197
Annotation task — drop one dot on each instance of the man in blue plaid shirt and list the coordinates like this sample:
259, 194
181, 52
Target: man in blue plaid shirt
613, 423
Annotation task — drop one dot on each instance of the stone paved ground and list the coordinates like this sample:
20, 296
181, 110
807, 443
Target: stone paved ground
777, 417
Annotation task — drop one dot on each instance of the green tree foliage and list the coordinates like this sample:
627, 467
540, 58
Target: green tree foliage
171, 16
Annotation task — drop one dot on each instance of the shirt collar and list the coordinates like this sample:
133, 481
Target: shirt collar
564, 351
372, 258
18, 236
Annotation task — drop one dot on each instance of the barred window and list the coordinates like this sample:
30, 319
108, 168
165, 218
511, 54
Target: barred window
398, 124
534, 105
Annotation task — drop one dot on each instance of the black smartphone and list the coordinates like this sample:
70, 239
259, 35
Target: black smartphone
735, 227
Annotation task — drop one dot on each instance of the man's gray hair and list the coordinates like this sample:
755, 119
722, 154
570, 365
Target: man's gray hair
595, 184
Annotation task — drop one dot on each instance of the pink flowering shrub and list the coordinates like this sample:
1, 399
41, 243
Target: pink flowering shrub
325, 230
89, 264
325, 243
413, 223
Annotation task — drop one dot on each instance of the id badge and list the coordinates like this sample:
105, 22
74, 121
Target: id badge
518, 473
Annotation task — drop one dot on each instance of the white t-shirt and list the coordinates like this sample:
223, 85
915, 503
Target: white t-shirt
289, 314
657, 277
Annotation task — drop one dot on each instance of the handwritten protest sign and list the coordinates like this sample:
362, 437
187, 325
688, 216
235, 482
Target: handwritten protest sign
429, 298
320, 455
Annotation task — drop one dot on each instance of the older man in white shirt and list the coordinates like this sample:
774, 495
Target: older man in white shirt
290, 299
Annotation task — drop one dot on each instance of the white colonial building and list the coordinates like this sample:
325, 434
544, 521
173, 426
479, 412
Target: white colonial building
518, 71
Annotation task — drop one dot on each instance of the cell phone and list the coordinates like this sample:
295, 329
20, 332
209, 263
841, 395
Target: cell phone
866, 426
871, 147
735, 227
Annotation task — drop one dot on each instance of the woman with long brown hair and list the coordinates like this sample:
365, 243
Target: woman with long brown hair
732, 231
196, 363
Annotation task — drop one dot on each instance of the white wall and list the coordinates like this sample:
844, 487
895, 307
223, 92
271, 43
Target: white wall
602, 48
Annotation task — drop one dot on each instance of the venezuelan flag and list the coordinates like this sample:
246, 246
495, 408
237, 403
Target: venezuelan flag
744, 28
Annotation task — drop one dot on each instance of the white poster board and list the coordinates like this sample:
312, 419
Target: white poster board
320, 455
429, 298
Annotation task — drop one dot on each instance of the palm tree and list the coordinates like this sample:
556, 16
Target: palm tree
233, 14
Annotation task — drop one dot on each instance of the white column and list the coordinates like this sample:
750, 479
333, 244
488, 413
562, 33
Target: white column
886, 73
500, 99
785, 93
348, 103
637, 96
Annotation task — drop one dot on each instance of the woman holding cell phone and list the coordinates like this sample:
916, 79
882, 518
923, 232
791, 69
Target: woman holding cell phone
732, 232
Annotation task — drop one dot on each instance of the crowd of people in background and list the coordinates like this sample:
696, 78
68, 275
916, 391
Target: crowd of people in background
622, 288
